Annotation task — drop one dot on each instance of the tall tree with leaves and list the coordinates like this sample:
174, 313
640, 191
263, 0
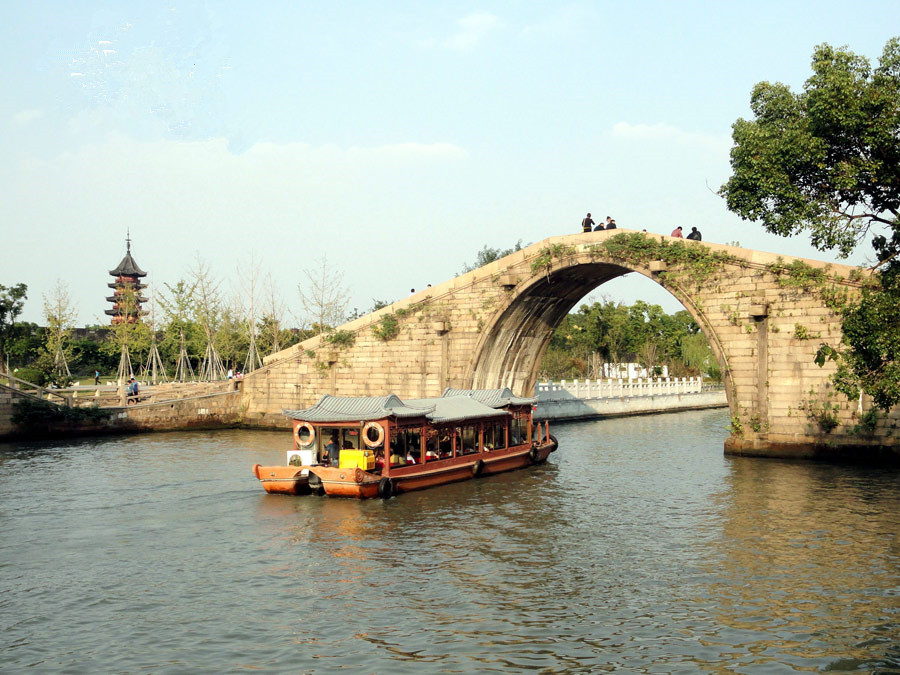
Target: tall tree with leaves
827, 161
60, 317
12, 301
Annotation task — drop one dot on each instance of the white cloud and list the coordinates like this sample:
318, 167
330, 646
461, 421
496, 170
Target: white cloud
472, 30
566, 22
25, 117
665, 133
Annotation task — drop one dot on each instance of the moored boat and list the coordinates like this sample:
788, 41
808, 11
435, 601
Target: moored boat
381, 446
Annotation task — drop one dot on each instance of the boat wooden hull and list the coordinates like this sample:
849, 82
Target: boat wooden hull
358, 484
285, 480
347, 482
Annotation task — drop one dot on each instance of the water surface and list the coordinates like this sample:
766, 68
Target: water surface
638, 547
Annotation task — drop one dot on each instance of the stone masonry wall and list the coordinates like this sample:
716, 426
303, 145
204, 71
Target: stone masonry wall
765, 318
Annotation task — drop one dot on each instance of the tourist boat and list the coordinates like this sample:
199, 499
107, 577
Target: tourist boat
381, 446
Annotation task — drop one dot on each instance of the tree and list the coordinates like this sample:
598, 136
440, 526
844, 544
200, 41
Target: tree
12, 301
488, 255
826, 160
60, 317
325, 298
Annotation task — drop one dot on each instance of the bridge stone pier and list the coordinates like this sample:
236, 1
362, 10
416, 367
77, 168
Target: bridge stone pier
765, 316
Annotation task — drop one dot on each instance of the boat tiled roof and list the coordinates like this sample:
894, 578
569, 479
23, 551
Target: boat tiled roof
456, 408
435, 410
347, 409
494, 398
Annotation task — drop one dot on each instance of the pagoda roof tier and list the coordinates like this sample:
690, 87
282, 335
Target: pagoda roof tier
131, 284
128, 267
116, 312
137, 299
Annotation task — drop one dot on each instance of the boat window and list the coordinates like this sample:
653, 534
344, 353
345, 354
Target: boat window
445, 443
432, 445
518, 430
327, 436
350, 439
495, 436
407, 443
468, 440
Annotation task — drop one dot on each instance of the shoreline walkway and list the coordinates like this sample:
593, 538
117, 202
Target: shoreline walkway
588, 399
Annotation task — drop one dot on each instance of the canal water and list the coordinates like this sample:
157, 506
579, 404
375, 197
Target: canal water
638, 547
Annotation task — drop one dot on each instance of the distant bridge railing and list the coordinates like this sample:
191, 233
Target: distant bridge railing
619, 388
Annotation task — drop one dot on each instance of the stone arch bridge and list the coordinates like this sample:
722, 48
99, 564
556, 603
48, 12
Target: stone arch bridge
765, 317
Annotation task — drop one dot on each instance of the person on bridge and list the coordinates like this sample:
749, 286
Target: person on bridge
587, 224
695, 234
677, 233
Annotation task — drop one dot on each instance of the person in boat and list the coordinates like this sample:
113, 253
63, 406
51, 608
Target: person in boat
333, 451
397, 457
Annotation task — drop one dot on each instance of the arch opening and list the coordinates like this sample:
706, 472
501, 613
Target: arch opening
512, 347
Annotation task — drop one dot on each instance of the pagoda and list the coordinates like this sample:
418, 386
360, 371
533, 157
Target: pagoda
128, 281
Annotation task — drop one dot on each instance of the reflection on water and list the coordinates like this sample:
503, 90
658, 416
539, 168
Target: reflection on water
637, 547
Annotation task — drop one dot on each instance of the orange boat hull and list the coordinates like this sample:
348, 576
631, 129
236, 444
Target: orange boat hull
284, 480
359, 484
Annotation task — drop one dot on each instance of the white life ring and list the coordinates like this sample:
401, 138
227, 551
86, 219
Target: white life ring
378, 441
312, 434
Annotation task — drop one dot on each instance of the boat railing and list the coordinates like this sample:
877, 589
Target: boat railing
617, 388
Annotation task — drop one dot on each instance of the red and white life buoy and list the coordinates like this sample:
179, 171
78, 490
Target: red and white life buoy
380, 434
309, 440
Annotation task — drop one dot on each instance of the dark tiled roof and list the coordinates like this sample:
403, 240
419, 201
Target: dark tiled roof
128, 268
347, 409
435, 410
495, 398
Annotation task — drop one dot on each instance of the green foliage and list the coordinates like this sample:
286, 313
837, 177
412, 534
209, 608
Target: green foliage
617, 332
825, 160
868, 422
737, 429
823, 413
341, 339
545, 257
488, 255
12, 301
697, 263
34, 415
868, 356
388, 328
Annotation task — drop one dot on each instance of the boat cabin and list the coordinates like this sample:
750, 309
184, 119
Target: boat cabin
390, 436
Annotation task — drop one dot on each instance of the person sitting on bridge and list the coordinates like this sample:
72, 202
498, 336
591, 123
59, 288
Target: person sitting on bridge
587, 224
695, 234
677, 233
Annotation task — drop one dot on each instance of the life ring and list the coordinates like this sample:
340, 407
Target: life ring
385, 488
534, 454
358, 475
312, 434
477, 467
379, 440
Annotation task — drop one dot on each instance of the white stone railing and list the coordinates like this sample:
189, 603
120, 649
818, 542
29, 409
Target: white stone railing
617, 388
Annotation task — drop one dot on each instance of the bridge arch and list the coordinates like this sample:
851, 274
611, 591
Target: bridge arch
512, 345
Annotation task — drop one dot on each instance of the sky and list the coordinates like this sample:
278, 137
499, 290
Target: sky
391, 141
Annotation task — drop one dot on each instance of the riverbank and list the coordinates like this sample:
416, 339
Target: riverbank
578, 408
